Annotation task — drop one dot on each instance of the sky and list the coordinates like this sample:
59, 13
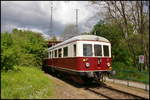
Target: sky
35, 15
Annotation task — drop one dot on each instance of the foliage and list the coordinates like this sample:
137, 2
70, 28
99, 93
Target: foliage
7, 57
129, 73
111, 31
132, 19
69, 31
85, 33
25, 83
53, 38
122, 60
21, 48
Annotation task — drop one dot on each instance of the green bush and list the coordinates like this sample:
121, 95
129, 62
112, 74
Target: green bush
8, 59
24, 48
119, 46
129, 73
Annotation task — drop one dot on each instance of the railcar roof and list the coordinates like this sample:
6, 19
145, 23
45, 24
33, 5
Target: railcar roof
81, 37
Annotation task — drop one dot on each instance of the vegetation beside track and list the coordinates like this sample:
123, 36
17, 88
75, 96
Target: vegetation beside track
22, 52
26, 83
126, 66
21, 48
130, 73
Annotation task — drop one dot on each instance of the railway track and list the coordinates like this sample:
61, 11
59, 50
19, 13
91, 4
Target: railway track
112, 93
103, 90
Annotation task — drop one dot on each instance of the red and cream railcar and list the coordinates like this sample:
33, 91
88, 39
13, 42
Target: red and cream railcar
84, 56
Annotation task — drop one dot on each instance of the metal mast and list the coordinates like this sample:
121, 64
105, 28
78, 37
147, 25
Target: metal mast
51, 23
77, 21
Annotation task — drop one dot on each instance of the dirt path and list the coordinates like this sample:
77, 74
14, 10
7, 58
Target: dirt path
68, 91
64, 90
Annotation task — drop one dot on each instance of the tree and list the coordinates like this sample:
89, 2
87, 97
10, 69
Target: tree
132, 18
85, 33
53, 38
24, 48
69, 31
113, 34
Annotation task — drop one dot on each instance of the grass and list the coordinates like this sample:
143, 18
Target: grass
25, 83
130, 73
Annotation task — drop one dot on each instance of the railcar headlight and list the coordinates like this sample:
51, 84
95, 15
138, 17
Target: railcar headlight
108, 64
85, 59
110, 68
87, 64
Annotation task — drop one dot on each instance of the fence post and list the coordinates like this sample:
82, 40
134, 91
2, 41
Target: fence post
146, 86
128, 80
113, 80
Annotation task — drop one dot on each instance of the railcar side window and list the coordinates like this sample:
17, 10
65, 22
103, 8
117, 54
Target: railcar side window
55, 53
98, 50
65, 53
50, 54
106, 50
59, 52
74, 49
87, 49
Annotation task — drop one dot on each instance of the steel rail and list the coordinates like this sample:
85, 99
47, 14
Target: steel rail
93, 90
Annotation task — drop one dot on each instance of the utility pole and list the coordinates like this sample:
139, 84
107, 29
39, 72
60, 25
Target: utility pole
77, 21
51, 23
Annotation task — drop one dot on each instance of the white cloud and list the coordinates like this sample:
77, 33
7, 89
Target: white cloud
36, 15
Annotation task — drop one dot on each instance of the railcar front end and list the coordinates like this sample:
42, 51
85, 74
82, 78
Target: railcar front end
85, 57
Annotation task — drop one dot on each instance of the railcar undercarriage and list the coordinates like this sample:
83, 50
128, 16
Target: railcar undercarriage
95, 77
79, 77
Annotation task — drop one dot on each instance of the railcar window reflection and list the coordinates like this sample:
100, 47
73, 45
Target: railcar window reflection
87, 49
55, 53
98, 50
50, 54
74, 49
65, 53
59, 52
106, 50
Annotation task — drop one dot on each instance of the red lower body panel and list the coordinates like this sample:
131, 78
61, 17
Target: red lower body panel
79, 63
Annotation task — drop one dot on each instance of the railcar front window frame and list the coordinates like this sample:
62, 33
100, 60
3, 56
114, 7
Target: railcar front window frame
106, 50
87, 50
97, 50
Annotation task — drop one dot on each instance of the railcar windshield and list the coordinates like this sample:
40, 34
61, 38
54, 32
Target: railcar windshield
97, 50
106, 50
87, 49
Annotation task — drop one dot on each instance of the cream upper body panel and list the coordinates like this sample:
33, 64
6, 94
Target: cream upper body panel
81, 37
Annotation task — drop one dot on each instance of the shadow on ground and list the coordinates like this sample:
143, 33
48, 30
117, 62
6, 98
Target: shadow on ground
71, 82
